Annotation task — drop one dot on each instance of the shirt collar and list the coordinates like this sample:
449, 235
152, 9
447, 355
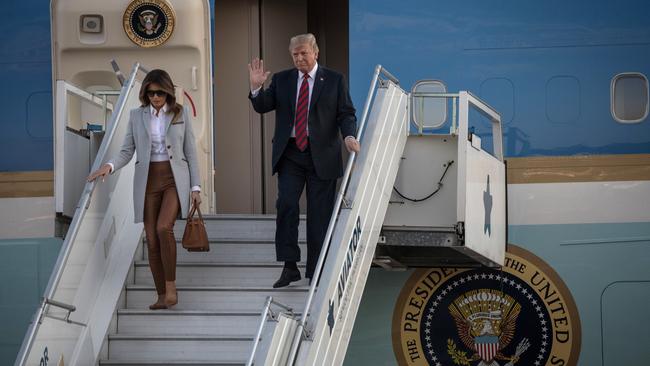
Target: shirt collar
312, 73
153, 110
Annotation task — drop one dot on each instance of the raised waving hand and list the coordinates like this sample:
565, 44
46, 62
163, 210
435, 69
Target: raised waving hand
257, 74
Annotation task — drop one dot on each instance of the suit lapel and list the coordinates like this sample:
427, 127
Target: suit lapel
293, 90
171, 119
146, 118
319, 81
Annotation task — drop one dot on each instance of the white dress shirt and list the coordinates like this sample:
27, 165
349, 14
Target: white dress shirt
158, 130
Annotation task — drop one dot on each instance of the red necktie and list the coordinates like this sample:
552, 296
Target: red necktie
302, 114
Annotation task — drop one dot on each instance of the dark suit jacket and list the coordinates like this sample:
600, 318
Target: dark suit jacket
330, 111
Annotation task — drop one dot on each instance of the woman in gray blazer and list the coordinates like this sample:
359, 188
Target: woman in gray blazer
166, 171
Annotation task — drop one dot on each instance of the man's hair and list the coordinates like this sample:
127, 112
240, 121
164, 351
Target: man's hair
301, 39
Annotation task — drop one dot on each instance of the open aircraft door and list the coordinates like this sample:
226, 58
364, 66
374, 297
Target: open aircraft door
87, 35
481, 203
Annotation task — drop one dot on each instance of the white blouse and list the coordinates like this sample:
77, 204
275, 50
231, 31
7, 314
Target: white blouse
158, 129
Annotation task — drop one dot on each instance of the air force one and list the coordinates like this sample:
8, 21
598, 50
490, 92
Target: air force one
496, 215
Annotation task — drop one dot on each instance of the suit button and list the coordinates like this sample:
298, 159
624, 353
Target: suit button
170, 158
169, 146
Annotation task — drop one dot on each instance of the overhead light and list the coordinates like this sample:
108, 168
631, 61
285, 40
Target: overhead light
92, 23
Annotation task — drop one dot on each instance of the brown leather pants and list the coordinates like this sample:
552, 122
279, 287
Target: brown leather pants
161, 207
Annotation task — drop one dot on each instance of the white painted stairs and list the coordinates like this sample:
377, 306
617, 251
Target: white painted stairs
221, 296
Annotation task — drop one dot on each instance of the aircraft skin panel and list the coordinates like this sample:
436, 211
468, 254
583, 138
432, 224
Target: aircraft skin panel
512, 59
590, 258
548, 66
576, 203
619, 316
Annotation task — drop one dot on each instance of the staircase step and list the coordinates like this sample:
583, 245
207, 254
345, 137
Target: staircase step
170, 363
221, 298
177, 347
240, 226
215, 274
232, 251
184, 322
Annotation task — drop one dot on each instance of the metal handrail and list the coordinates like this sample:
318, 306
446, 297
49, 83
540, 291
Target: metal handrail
69, 308
64, 91
84, 203
260, 328
379, 70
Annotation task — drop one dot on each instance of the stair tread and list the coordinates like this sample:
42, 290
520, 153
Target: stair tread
242, 217
172, 362
144, 263
223, 288
180, 337
224, 240
124, 311
187, 312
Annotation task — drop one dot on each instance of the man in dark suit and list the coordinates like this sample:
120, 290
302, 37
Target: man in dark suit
312, 105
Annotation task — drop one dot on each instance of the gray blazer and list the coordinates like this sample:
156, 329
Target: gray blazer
181, 147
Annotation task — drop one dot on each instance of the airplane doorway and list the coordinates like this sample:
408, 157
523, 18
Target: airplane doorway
257, 28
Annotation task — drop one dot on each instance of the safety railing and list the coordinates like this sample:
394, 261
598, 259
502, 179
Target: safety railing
480, 171
267, 313
418, 98
86, 253
467, 102
67, 188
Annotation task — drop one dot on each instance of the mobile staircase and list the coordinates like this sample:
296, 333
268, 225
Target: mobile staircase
463, 226
94, 310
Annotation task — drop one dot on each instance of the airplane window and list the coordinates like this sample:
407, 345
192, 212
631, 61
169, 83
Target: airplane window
430, 112
499, 93
563, 99
629, 97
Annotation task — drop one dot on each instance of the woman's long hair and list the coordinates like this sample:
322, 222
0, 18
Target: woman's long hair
162, 78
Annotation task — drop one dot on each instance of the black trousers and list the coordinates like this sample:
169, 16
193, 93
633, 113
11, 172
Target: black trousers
295, 171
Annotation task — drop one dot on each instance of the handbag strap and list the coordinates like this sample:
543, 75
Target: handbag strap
194, 209
191, 213
198, 210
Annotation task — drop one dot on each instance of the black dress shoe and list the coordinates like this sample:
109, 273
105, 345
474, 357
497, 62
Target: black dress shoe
288, 275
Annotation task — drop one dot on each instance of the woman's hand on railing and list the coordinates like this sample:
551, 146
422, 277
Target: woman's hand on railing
101, 172
352, 144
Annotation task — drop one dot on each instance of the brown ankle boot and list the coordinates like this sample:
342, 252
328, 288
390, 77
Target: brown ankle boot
171, 297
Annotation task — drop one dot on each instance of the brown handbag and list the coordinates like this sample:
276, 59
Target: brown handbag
195, 238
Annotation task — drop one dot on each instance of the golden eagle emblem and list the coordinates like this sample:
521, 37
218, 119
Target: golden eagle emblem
149, 22
485, 320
